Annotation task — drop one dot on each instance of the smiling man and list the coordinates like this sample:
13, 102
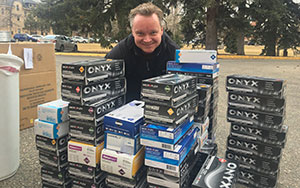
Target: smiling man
146, 50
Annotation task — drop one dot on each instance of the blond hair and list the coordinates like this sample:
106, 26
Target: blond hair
146, 9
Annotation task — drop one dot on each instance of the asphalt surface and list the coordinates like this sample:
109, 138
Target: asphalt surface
28, 174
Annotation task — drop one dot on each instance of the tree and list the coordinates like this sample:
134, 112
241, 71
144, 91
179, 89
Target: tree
290, 33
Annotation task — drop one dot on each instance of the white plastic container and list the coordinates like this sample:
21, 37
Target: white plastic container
9, 115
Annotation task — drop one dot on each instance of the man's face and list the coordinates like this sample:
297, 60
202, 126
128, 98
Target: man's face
147, 32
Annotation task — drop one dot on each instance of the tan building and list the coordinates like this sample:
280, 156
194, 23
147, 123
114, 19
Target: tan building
13, 14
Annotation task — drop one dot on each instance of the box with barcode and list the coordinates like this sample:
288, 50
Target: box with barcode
179, 170
92, 71
84, 153
195, 56
173, 157
159, 134
121, 143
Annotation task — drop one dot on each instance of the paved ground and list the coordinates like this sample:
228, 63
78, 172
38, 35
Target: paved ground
28, 174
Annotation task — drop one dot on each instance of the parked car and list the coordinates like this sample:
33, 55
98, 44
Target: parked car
37, 37
80, 39
61, 42
24, 37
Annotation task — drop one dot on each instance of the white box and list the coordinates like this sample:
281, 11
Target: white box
196, 56
122, 164
51, 130
121, 143
54, 111
84, 153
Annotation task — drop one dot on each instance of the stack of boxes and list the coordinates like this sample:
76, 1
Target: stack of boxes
168, 135
203, 65
123, 156
256, 110
51, 130
93, 88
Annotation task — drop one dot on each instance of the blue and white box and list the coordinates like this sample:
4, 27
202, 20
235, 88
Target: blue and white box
208, 68
196, 56
51, 130
173, 157
54, 111
167, 135
121, 143
126, 120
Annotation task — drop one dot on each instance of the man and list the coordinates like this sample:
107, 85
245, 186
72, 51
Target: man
146, 50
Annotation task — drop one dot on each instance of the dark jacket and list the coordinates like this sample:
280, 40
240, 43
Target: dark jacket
140, 66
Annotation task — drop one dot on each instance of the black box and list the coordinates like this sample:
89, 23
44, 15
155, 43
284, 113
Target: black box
216, 172
170, 116
201, 114
89, 94
253, 162
204, 92
55, 176
47, 184
86, 133
84, 171
265, 135
258, 180
92, 71
50, 144
256, 85
57, 160
139, 180
257, 103
79, 182
197, 75
253, 147
96, 110
168, 89
263, 119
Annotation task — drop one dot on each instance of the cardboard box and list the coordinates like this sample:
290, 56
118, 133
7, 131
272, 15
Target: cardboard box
51, 145
122, 164
54, 111
159, 134
92, 71
53, 175
37, 85
169, 89
57, 161
84, 153
256, 85
173, 157
196, 56
43, 56
125, 120
255, 118
81, 170
171, 116
209, 68
216, 172
97, 182
48, 184
264, 135
121, 143
51, 130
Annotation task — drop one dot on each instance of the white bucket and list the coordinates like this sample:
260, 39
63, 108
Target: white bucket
9, 115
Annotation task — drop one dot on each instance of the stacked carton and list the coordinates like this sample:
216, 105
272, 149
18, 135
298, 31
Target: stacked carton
51, 129
256, 110
203, 65
123, 156
93, 88
171, 141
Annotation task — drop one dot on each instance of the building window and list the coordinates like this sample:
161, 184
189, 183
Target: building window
19, 30
2, 11
18, 18
18, 8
